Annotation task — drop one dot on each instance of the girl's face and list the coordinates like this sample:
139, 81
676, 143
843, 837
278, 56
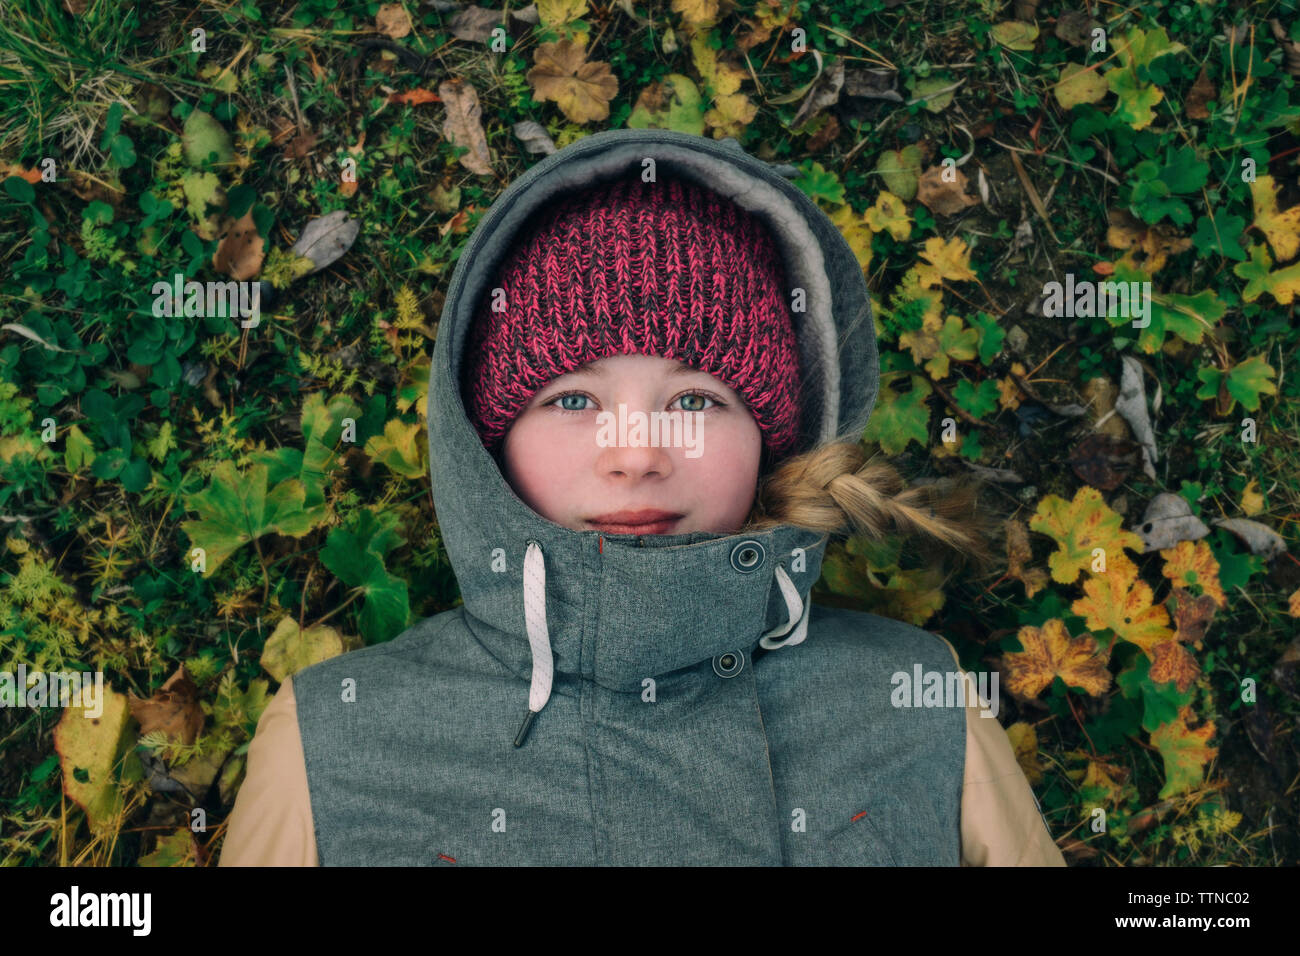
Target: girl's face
573, 467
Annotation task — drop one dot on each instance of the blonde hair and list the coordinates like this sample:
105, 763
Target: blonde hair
835, 488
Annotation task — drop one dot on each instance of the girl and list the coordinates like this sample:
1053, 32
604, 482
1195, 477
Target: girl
637, 675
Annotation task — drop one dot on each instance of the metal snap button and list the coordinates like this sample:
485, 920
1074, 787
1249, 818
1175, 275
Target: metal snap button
748, 556
729, 664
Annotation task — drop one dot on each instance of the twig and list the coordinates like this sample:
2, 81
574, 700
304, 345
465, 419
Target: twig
1034, 198
961, 412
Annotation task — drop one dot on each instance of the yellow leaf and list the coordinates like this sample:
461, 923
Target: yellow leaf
1252, 502
1119, 600
95, 740
398, 449
562, 74
1049, 652
1079, 526
1024, 743
855, 232
720, 76
730, 115
1080, 84
697, 14
554, 13
889, 214
948, 260
289, 649
1282, 229
1191, 563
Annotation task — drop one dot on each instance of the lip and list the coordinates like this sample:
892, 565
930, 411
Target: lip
647, 521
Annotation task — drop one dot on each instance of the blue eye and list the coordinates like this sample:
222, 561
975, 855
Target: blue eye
699, 395
559, 402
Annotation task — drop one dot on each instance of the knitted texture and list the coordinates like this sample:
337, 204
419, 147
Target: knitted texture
666, 268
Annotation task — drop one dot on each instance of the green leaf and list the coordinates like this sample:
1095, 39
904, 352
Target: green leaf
1221, 235
683, 109
900, 418
991, 336
820, 183
977, 401
1184, 172
235, 509
901, 171
1015, 34
20, 189
1246, 381
355, 554
205, 140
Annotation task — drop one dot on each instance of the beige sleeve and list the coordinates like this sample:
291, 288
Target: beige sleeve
271, 822
1000, 821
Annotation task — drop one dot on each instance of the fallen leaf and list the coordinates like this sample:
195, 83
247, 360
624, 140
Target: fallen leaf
1252, 502
324, 240
173, 709
1079, 84
464, 124
32, 175
1282, 229
1185, 752
301, 145
889, 214
944, 197
1120, 600
1156, 243
414, 97
1015, 34
1169, 520
901, 170
1191, 563
534, 137
1104, 461
949, 260
1192, 616
393, 21
1024, 743
1018, 554
580, 89
95, 745
1261, 539
1202, 92
1078, 527
1050, 652
1132, 406
240, 252
289, 649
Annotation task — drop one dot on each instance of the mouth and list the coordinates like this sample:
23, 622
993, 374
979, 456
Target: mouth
649, 521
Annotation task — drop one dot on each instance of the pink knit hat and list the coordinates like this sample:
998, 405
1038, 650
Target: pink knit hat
666, 268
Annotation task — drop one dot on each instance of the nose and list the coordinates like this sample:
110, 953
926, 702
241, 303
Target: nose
635, 462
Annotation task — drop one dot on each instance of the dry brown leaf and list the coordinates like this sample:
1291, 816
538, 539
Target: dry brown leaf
32, 175
941, 197
562, 74
301, 145
464, 124
1202, 92
1018, 555
415, 97
240, 252
1155, 243
174, 709
392, 20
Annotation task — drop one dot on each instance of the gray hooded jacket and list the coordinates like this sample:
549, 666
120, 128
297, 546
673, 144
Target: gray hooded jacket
637, 700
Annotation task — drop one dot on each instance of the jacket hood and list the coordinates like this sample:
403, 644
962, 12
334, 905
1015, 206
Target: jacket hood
618, 609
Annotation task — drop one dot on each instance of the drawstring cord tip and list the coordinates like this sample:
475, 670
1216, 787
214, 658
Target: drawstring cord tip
523, 730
